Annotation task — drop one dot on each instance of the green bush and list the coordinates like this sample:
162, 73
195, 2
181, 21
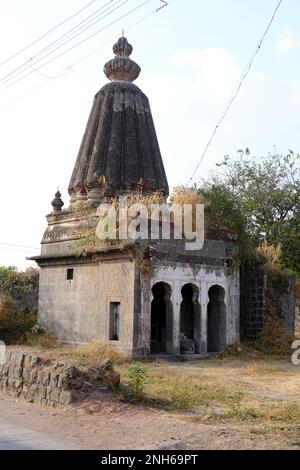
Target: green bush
20, 286
135, 381
42, 339
14, 325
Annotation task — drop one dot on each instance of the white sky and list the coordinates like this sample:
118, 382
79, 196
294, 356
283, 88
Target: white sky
191, 53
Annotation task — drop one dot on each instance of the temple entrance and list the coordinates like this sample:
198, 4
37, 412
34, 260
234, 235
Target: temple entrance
161, 319
190, 320
216, 320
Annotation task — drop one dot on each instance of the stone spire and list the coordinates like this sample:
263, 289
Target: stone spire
122, 67
119, 153
57, 202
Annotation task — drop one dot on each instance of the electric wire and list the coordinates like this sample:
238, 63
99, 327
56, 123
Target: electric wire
77, 44
32, 61
235, 92
62, 74
47, 33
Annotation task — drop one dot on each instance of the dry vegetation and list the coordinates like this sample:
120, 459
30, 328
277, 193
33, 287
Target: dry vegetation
262, 396
272, 255
89, 355
243, 388
91, 241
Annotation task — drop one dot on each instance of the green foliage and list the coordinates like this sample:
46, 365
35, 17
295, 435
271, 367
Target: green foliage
223, 209
14, 325
41, 338
38, 329
135, 381
12, 280
21, 287
267, 192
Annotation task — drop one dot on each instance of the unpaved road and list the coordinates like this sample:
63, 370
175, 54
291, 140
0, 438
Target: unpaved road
106, 424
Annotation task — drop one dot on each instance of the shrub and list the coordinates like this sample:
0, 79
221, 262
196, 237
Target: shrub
135, 381
275, 338
43, 339
14, 325
21, 287
272, 255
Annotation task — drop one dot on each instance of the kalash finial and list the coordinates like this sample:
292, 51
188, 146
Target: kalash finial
57, 203
122, 67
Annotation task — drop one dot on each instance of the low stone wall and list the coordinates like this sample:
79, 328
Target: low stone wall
48, 383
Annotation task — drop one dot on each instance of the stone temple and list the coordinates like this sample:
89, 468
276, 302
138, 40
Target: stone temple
144, 297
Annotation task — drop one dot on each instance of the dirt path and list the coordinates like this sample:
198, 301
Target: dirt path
106, 423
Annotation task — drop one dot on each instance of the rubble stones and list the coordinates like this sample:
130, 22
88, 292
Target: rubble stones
35, 380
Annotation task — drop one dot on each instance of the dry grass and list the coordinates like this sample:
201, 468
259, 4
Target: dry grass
86, 356
47, 340
272, 254
90, 241
174, 392
229, 391
275, 339
182, 195
89, 355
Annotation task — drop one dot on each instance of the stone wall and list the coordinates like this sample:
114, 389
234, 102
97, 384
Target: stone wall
264, 295
52, 384
78, 310
253, 290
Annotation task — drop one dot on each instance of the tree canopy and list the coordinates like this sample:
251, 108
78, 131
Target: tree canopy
260, 199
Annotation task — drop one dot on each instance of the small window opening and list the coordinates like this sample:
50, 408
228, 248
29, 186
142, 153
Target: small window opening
70, 274
114, 321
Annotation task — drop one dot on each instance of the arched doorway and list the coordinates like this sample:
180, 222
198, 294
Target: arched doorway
190, 318
216, 320
161, 319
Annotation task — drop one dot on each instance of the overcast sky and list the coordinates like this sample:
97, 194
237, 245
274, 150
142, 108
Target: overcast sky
192, 54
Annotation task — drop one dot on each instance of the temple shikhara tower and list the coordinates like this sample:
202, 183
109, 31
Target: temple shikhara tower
145, 296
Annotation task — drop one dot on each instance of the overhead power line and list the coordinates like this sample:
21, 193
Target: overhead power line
79, 26
235, 92
12, 245
66, 70
47, 33
77, 44
55, 45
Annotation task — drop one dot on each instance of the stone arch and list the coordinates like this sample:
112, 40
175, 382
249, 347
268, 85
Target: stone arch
190, 318
161, 340
216, 319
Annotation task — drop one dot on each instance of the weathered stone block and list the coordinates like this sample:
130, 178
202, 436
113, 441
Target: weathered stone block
49, 391
39, 378
27, 362
46, 379
33, 376
55, 395
63, 381
42, 392
54, 380
19, 359
26, 375
18, 372
65, 398
34, 389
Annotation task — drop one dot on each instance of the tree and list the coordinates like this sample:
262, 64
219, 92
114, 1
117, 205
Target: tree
267, 191
21, 286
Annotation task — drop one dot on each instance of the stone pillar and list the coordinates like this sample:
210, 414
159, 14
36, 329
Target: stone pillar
204, 303
176, 297
203, 346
